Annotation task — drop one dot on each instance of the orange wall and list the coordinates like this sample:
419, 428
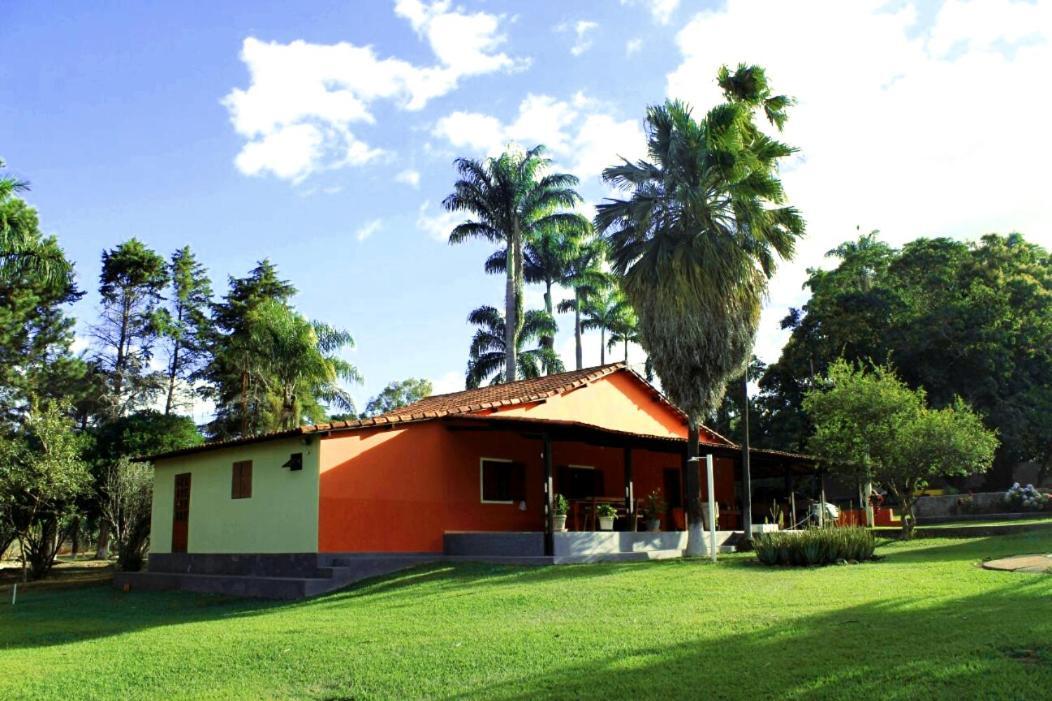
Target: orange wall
400, 489
618, 401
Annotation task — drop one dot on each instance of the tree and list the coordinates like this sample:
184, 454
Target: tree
144, 433
513, 199
947, 313
586, 277
606, 311
696, 242
241, 403
625, 329
43, 477
127, 496
131, 284
185, 323
295, 361
487, 358
397, 395
24, 253
870, 425
546, 260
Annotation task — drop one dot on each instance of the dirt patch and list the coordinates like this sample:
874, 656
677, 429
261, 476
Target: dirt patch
63, 574
1021, 563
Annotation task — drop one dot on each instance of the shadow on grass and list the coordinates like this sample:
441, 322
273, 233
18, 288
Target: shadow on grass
994, 645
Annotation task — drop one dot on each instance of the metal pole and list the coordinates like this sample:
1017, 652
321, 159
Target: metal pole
712, 507
549, 512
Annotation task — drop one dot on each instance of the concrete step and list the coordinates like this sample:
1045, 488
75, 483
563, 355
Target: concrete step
629, 556
282, 588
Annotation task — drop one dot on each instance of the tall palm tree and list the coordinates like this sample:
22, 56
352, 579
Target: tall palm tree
605, 311
546, 257
513, 198
586, 277
487, 357
625, 329
697, 240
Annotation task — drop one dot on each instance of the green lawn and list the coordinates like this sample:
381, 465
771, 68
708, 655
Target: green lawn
925, 622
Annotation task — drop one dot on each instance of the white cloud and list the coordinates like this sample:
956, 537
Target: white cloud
368, 229
410, 177
660, 10
438, 224
633, 46
303, 98
915, 130
582, 30
580, 133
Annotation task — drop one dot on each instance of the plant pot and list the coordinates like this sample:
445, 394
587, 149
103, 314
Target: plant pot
560, 522
606, 523
654, 525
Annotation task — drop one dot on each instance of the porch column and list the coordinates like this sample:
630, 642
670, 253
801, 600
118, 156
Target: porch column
630, 496
549, 512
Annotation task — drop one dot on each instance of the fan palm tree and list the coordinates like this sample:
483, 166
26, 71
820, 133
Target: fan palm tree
487, 358
697, 240
294, 360
513, 198
586, 277
605, 310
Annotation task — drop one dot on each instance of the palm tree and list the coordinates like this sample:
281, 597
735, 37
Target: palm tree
294, 360
586, 277
696, 242
546, 257
605, 310
23, 250
487, 358
513, 199
625, 329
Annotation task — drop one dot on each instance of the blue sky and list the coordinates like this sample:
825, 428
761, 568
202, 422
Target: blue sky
269, 129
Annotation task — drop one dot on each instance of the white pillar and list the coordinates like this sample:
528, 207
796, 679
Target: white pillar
712, 507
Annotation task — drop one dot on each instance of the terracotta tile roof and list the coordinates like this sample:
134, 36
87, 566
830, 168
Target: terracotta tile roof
492, 397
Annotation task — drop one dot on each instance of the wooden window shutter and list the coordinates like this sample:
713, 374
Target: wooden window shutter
241, 480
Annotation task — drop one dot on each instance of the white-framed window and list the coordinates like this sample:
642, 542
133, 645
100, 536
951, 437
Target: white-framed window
501, 481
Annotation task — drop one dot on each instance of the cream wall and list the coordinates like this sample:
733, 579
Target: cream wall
281, 516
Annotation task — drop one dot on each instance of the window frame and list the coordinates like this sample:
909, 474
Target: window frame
482, 480
237, 479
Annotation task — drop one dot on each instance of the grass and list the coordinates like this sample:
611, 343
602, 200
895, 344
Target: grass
1034, 520
925, 621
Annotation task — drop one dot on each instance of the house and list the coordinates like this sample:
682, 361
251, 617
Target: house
467, 475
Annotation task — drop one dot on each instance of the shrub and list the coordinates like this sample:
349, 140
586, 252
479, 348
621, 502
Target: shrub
1026, 498
559, 505
817, 546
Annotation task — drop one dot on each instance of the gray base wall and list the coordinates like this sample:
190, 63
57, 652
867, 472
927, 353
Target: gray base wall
236, 564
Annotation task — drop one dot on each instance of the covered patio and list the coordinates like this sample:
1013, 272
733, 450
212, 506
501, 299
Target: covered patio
591, 466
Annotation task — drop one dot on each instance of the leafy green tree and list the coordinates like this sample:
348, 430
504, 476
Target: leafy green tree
24, 253
869, 425
513, 199
586, 277
959, 319
487, 356
295, 361
185, 323
625, 329
131, 285
144, 433
42, 479
696, 242
606, 311
397, 395
241, 403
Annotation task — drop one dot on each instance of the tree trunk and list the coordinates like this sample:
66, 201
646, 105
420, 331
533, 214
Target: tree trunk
548, 341
626, 348
692, 487
577, 327
510, 316
172, 371
746, 463
602, 346
102, 548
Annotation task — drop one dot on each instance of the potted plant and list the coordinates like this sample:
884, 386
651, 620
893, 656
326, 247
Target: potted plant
606, 513
653, 508
559, 508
